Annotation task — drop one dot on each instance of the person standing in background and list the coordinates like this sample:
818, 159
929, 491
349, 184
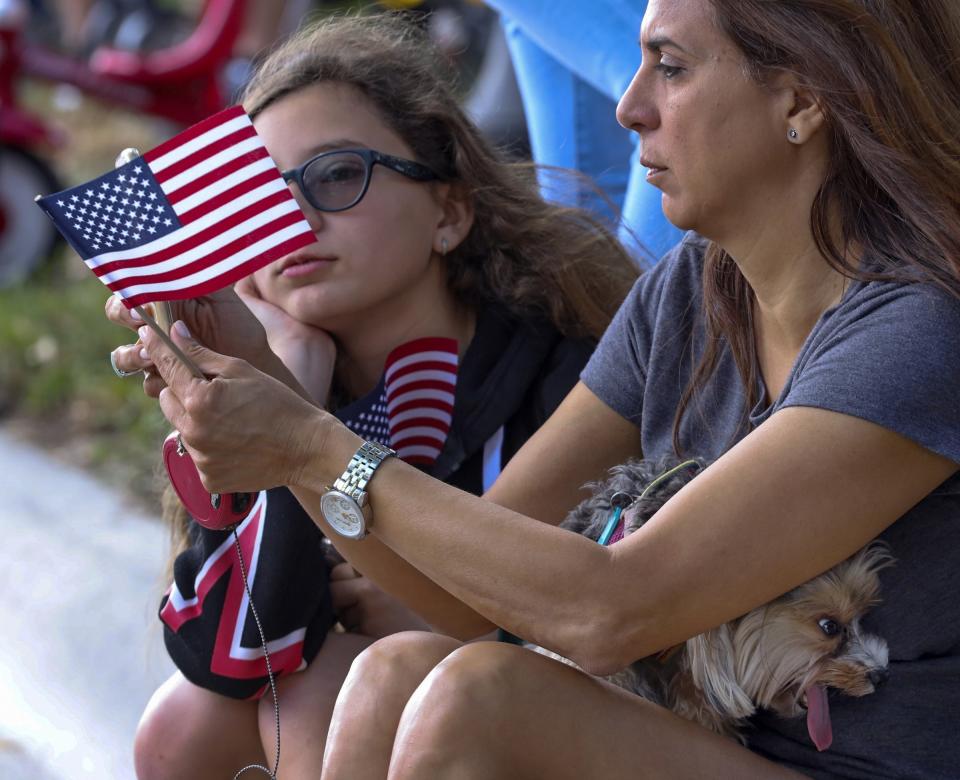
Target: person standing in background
573, 60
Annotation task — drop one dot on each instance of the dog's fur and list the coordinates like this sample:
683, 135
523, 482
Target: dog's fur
776, 656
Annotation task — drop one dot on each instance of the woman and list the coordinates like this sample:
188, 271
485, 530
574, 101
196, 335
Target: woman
807, 340
429, 247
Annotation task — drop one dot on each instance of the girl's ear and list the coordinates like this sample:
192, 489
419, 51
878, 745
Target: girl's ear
456, 217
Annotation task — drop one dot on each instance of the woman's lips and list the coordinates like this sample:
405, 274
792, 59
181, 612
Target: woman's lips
305, 266
653, 172
653, 169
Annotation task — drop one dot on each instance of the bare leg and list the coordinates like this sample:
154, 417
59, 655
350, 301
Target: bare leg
372, 700
306, 706
499, 711
188, 732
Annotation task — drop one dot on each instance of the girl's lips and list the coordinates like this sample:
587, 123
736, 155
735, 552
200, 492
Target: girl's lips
305, 267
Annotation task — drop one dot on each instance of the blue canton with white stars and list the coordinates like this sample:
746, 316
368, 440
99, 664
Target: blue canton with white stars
367, 416
120, 210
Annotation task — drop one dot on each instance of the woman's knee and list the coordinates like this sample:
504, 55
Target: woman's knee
373, 698
399, 661
470, 682
449, 727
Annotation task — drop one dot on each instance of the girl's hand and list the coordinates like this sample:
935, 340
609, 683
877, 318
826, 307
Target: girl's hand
363, 608
309, 352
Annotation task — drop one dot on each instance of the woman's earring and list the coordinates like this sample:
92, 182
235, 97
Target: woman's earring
793, 134
443, 247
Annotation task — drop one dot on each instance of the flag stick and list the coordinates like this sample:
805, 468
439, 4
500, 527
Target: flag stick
165, 338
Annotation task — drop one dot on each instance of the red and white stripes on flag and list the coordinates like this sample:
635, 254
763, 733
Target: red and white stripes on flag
235, 212
419, 383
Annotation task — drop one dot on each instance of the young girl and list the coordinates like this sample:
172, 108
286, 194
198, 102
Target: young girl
808, 340
434, 258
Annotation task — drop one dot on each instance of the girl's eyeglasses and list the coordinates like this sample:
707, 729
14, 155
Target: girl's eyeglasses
338, 180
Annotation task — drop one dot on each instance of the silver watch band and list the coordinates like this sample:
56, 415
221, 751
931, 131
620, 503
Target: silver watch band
360, 470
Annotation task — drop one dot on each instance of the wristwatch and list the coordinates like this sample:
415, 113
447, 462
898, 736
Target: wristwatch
345, 505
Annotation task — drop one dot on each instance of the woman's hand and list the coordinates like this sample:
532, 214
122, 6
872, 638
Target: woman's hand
245, 430
309, 352
363, 608
220, 320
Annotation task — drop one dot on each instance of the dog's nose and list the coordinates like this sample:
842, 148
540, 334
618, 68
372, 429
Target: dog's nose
878, 676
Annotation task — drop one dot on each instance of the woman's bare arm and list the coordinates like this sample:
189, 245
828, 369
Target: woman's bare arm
799, 494
561, 465
244, 429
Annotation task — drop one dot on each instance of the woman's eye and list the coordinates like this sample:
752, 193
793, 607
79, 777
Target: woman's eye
829, 626
669, 71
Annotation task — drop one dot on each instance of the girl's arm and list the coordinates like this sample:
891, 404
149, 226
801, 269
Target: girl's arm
307, 351
220, 319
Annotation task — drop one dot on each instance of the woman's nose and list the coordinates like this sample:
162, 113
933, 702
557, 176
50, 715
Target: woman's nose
636, 110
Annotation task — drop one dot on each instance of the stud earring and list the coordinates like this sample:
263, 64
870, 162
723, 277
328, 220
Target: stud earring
793, 134
443, 247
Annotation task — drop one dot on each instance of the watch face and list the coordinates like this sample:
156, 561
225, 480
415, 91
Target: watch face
343, 514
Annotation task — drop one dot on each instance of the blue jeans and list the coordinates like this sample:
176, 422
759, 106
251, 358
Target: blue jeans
573, 59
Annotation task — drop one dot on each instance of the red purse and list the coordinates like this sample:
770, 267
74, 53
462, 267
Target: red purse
211, 510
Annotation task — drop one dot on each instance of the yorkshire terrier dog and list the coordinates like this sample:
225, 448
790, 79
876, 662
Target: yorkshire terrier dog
781, 656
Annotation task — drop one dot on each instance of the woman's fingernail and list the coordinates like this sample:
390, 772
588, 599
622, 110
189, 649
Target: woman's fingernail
135, 314
180, 327
144, 355
143, 332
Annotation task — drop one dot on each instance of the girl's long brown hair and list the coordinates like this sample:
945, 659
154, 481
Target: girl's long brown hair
886, 74
529, 255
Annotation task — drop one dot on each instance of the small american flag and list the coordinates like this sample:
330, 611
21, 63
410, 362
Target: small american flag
197, 213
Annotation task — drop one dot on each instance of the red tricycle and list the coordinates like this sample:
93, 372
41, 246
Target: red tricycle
183, 83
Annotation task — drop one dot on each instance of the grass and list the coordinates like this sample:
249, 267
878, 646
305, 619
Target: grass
57, 384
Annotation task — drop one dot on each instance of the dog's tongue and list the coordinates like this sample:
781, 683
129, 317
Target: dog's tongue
818, 717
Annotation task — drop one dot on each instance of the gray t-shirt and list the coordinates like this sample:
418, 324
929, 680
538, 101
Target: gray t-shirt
888, 353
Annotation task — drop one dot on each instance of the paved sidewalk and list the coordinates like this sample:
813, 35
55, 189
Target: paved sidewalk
80, 646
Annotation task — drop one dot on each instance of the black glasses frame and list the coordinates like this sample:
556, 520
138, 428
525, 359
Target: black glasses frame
409, 168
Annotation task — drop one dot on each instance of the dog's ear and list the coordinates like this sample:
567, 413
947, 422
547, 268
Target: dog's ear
713, 667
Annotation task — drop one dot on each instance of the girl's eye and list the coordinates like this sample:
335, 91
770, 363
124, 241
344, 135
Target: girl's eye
340, 172
829, 626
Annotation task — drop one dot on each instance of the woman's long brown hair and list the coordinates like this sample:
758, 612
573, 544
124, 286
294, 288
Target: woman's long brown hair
886, 74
